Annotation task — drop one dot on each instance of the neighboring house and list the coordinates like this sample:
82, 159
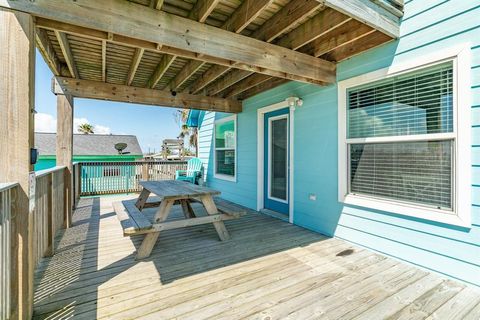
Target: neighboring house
87, 148
388, 157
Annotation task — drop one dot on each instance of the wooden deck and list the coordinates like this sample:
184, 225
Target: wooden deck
269, 270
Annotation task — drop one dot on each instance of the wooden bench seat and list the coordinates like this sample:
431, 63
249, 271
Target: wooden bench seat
134, 222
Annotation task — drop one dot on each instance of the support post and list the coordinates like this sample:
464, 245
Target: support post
65, 150
17, 91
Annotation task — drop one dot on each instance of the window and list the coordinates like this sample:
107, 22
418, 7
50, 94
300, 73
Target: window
399, 142
225, 148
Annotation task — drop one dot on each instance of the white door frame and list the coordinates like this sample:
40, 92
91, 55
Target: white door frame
290, 103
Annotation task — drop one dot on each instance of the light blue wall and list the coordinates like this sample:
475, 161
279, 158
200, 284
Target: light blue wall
427, 26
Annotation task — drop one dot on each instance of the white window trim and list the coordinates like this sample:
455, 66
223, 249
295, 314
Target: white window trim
219, 175
461, 215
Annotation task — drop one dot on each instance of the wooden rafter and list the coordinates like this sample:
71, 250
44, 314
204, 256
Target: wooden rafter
245, 14
208, 77
338, 37
369, 13
285, 18
67, 53
246, 84
137, 57
314, 28
187, 71
227, 81
202, 9
104, 60
48, 52
114, 92
264, 86
156, 4
160, 70
319, 67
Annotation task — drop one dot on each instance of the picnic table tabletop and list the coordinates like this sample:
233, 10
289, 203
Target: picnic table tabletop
175, 189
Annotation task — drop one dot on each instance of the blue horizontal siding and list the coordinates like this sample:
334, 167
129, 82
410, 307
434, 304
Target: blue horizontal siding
454, 251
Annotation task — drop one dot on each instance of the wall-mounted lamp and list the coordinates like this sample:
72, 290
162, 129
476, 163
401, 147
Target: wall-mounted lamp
294, 101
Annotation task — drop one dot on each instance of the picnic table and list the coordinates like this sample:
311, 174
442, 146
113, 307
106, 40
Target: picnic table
167, 194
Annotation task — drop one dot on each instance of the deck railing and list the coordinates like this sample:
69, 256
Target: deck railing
98, 178
7, 203
47, 218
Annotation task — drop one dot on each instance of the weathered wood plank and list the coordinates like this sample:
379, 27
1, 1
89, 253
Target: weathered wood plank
175, 189
48, 52
202, 9
67, 53
187, 71
245, 14
160, 70
134, 66
118, 17
105, 91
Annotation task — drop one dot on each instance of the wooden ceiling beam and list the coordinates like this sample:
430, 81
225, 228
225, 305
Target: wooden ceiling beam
228, 80
202, 9
67, 53
264, 86
285, 18
148, 45
314, 28
212, 74
359, 45
47, 51
104, 60
246, 84
187, 71
137, 57
160, 70
144, 23
369, 13
341, 36
122, 93
245, 14
156, 4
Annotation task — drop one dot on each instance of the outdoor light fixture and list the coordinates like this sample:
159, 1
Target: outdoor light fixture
294, 101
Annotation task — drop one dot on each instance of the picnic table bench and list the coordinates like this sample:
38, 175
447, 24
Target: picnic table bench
169, 193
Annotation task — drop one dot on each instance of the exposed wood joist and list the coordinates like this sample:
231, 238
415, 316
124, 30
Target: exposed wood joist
208, 77
67, 53
137, 57
338, 37
104, 60
187, 71
47, 51
246, 84
314, 28
359, 45
285, 18
113, 92
227, 81
369, 13
245, 14
160, 70
156, 4
202, 9
281, 21
264, 86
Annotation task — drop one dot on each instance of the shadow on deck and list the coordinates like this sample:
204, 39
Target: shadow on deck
268, 269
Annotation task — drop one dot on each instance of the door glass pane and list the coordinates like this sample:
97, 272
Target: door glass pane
279, 160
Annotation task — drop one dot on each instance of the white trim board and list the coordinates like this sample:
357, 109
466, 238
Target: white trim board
461, 216
291, 103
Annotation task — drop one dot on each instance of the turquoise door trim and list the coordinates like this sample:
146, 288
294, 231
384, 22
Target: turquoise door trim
270, 202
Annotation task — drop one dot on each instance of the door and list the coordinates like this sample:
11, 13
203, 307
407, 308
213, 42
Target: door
276, 158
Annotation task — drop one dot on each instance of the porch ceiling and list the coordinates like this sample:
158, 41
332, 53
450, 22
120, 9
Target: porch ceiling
206, 49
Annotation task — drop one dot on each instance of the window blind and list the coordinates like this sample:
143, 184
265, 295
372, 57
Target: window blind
414, 103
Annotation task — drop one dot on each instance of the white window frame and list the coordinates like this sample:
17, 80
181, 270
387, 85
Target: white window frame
220, 175
461, 184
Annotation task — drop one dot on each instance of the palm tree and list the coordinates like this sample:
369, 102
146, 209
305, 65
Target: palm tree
192, 133
85, 128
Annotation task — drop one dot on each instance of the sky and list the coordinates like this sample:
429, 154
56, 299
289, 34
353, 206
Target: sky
150, 124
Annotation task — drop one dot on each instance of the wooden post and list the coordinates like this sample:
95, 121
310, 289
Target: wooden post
17, 91
65, 149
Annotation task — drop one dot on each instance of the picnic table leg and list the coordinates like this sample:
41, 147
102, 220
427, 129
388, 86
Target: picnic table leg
187, 209
211, 210
142, 199
151, 238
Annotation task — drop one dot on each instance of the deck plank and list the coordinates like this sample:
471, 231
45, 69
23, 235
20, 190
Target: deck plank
268, 268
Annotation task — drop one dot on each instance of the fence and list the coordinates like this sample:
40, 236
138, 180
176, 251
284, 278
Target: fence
98, 178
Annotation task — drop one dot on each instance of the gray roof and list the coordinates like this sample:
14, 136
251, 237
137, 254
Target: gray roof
89, 144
